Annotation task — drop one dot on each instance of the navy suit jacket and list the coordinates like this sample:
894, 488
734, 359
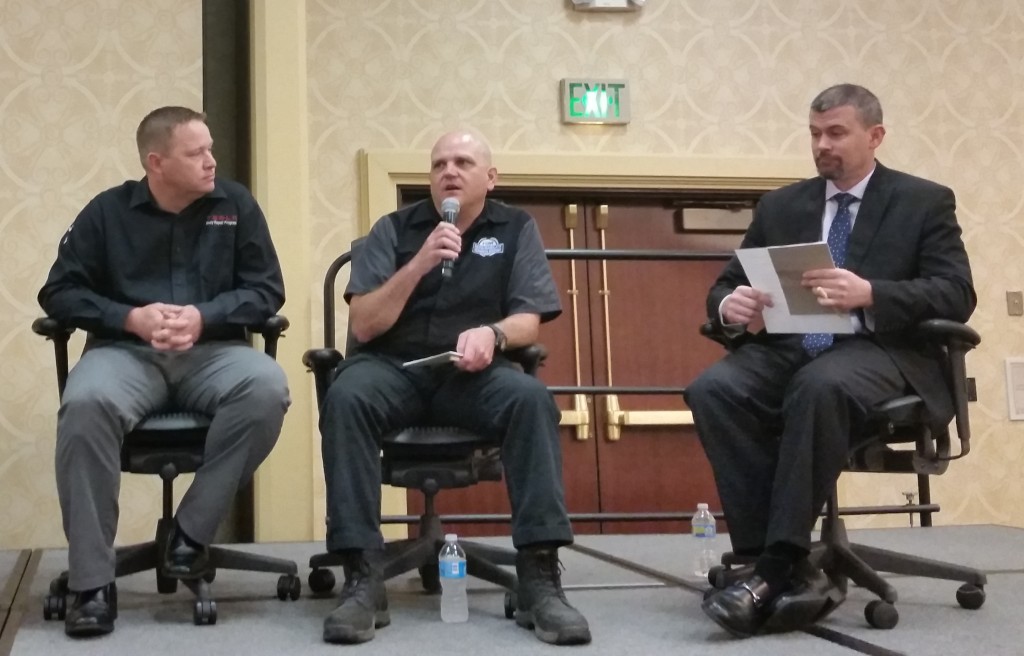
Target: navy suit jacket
905, 241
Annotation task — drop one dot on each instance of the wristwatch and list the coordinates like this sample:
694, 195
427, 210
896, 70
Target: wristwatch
500, 340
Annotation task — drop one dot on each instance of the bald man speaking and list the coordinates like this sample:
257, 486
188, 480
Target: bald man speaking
457, 272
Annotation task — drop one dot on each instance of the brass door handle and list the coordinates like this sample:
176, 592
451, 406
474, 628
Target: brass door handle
617, 418
579, 417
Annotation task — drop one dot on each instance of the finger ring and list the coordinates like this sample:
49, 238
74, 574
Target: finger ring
824, 293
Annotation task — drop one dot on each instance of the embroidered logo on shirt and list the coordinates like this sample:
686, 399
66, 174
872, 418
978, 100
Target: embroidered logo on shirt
488, 246
222, 219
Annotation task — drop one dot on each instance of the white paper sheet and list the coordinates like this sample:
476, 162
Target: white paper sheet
777, 270
434, 360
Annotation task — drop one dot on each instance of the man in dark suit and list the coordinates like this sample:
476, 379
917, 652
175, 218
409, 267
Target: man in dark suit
775, 415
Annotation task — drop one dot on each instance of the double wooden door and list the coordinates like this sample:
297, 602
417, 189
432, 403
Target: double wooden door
624, 323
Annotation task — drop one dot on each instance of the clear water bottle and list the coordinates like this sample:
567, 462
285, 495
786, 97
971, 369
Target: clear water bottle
703, 528
452, 563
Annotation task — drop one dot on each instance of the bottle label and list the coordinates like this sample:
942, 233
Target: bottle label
452, 569
705, 531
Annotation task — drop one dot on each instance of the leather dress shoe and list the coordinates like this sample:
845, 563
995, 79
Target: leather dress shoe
92, 613
184, 560
813, 596
742, 608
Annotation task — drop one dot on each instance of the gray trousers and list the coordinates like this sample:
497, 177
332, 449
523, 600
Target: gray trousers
373, 395
112, 388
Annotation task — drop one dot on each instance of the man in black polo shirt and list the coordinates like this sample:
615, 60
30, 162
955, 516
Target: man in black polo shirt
402, 308
164, 274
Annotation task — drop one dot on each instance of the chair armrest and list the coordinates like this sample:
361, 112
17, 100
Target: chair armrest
271, 330
51, 328
530, 358
715, 331
950, 332
321, 362
956, 339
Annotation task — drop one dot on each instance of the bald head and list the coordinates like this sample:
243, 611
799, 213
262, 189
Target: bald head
467, 139
461, 168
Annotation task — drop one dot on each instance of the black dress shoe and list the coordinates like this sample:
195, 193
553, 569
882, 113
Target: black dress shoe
92, 613
741, 608
812, 597
183, 558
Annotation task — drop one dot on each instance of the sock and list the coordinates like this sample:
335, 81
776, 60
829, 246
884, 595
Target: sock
184, 536
775, 565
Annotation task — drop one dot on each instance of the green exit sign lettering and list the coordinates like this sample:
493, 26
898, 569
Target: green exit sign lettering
595, 101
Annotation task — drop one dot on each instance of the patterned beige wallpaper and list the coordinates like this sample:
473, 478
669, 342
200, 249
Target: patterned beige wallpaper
76, 77
725, 78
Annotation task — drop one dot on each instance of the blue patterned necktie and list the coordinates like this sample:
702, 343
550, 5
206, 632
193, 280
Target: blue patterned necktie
838, 239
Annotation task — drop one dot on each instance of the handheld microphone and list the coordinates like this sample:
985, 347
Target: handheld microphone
450, 211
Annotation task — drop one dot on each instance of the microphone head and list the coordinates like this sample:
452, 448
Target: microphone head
450, 205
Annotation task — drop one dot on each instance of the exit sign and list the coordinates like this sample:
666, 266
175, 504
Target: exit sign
595, 101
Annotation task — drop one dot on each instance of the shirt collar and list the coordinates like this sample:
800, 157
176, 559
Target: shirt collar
142, 195
431, 215
856, 190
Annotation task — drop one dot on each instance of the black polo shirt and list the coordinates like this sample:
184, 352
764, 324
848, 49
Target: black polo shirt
502, 270
124, 252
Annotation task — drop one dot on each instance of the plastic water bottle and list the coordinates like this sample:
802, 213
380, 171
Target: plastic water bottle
452, 563
703, 528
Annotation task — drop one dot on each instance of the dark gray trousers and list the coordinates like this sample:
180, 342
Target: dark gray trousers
776, 426
110, 390
372, 396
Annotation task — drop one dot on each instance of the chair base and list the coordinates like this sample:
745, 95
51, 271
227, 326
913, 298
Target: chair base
843, 561
483, 561
149, 555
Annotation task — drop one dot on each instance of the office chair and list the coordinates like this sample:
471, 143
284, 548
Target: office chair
900, 438
428, 459
167, 444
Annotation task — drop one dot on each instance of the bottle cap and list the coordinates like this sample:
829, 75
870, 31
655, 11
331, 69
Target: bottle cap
450, 537
702, 506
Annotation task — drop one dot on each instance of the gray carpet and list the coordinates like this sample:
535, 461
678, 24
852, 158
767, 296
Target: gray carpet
629, 612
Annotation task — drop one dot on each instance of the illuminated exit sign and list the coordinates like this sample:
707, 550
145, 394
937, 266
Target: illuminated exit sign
595, 101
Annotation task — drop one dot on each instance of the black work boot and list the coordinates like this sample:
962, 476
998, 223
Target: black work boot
542, 605
364, 603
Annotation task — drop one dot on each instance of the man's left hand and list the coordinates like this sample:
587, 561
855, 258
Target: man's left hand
180, 330
477, 348
838, 289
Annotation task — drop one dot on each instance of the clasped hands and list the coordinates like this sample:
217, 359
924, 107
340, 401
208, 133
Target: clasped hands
837, 289
166, 327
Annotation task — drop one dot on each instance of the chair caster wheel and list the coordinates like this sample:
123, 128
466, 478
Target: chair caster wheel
289, 587
204, 612
881, 614
431, 579
321, 581
55, 607
970, 596
511, 601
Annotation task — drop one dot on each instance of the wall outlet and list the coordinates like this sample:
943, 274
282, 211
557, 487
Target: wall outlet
1015, 304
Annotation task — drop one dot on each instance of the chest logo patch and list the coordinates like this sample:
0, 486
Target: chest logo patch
488, 246
222, 219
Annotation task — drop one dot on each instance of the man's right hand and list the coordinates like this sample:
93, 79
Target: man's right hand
444, 243
744, 305
149, 322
